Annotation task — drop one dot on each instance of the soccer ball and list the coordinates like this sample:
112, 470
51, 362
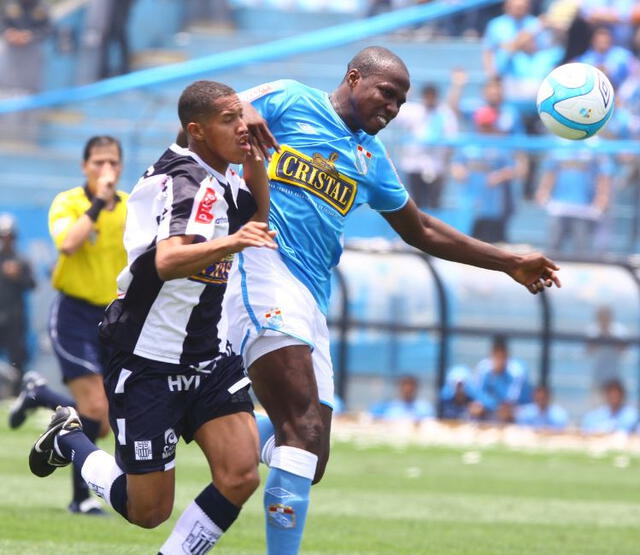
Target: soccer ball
575, 101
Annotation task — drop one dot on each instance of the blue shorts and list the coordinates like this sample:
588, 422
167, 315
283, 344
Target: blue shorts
73, 328
152, 404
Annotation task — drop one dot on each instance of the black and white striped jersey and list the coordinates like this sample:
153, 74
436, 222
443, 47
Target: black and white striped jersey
178, 321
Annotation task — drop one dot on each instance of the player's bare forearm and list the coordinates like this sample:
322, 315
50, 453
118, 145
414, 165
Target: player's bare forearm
255, 175
260, 135
434, 237
446, 242
76, 235
178, 257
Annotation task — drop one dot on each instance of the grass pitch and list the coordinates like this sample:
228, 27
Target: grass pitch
373, 500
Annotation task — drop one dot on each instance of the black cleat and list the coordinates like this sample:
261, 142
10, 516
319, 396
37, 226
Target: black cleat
43, 458
26, 401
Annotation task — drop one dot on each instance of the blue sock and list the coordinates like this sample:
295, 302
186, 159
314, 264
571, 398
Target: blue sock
267, 438
286, 498
44, 396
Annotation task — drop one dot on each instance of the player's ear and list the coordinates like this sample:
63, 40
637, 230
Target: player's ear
353, 76
194, 129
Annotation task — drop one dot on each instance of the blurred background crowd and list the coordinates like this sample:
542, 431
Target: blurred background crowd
468, 144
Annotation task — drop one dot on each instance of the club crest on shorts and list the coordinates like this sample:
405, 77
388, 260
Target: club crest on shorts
283, 516
143, 451
363, 157
273, 318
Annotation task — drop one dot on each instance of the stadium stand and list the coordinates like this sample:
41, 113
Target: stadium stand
404, 316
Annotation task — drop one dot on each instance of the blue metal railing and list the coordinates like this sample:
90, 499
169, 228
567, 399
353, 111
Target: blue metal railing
308, 42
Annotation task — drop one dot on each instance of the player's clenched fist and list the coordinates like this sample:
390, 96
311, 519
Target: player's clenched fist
253, 234
106, 183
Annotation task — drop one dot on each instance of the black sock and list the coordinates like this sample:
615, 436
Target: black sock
91, 429
44, 396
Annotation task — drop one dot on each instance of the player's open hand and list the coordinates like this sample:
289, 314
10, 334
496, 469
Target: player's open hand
259, 134
253, 234
535, 272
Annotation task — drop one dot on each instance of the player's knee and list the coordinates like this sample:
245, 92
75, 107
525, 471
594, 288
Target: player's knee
305, 432
97, 409
239, 484
104, 427
151, 516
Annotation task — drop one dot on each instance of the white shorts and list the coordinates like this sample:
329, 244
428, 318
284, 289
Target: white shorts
267, 308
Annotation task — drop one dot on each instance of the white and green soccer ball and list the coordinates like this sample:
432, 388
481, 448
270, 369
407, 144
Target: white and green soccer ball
575, 101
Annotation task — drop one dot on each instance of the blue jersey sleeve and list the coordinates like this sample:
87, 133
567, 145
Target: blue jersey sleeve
272, 99
388, 193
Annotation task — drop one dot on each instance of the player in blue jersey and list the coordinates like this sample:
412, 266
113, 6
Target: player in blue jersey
328, 162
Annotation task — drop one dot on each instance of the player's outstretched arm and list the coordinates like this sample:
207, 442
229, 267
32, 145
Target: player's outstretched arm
179, 257
434, 237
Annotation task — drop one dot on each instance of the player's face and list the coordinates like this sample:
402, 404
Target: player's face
225, 134
101, 158
376, 99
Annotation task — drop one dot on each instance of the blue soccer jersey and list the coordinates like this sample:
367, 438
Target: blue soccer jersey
323, 172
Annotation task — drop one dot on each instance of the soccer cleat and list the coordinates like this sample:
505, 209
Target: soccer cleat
44, 458
26, 401
89, 506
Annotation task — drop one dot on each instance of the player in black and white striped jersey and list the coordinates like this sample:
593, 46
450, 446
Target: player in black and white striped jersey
172, 372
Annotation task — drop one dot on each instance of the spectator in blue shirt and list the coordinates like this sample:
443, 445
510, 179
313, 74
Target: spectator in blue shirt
523, 70
615, 14
574, 187
614, 415
542, 414
486, 173
616, 62
504, 34
406, 406
501, 383
424, 164
509, 118
457, 394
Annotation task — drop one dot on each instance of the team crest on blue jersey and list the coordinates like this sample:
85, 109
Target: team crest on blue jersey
363, 157
283, 516
315, 174
273, 318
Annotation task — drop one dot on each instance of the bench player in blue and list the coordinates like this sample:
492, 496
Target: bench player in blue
328, 163
171, 372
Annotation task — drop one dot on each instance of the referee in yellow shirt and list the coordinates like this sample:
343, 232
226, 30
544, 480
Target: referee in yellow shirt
87, 227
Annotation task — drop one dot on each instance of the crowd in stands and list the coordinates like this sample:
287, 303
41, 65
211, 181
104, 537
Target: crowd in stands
499, 391
577, 187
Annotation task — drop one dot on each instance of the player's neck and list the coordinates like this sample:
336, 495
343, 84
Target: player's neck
215, 162
340, 103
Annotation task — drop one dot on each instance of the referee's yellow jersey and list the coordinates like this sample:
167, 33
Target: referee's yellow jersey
90, 272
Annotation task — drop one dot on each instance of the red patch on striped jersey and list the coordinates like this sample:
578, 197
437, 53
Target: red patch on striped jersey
204, 214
